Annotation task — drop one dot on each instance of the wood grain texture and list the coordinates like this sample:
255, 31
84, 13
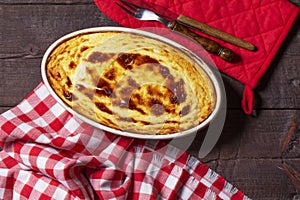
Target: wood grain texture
18, 77
248, 153
29, 29
259, 179
4, 109
260, 138
46, 2
280, 88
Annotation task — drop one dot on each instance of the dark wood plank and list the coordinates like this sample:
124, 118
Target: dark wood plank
28, 30
4, 109
67, 2
283, 72
259, 179
247, 137
287, 75
18, 77
296, 2
260, 137
22, 40
280, 88
22, 46
248, 153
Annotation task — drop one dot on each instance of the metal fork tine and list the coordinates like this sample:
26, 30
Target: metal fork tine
125, 9
139, 12
128, 7
130, 4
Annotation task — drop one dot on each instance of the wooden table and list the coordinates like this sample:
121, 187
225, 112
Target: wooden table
249, 152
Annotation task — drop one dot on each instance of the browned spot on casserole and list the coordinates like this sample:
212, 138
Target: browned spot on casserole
97, 57
151, 88
104, 88
104, 108
72, 64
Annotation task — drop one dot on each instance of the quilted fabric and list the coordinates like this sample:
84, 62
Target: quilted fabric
265, 23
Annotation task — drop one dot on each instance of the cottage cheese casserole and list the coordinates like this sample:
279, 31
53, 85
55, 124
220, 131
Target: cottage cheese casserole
130, 82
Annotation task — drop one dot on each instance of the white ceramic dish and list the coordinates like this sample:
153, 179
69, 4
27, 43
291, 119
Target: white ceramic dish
205, 67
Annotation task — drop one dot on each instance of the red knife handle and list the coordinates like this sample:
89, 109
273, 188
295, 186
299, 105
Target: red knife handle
208, 44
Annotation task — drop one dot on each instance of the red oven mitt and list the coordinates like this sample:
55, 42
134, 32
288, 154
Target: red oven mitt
264, 23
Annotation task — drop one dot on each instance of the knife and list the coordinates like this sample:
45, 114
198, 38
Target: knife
208, 44
195, 24
209, 30
141, 13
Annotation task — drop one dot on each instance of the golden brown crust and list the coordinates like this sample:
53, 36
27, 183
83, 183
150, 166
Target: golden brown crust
130, 82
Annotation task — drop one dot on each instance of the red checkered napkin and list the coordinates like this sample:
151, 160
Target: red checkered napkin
49, 154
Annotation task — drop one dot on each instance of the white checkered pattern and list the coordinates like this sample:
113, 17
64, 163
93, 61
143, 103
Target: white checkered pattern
49, 154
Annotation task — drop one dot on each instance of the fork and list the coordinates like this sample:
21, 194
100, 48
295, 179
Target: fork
143, 14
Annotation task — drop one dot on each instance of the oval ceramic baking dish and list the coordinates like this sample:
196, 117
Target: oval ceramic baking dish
96, 75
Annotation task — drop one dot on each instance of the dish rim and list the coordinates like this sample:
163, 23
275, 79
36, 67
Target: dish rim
205, 67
